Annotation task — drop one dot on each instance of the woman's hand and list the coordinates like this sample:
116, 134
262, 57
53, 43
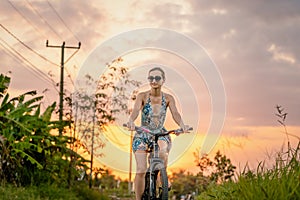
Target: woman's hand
131, 125
185, 128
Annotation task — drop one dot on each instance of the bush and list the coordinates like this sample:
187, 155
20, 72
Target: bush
45, 192
85, 193
280, 182
49, 192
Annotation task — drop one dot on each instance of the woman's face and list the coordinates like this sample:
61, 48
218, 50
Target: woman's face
155, 79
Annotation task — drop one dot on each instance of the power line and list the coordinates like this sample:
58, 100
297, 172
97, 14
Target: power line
38, 30
43, 19
57, 14
41, 56
69, 76
30, 66
8, 52
71, 56
61, 19
25, 18
13, 56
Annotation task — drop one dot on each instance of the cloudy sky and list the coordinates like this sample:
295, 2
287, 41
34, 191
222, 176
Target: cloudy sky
253, 44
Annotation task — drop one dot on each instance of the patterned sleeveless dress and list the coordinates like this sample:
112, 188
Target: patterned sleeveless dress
142, 140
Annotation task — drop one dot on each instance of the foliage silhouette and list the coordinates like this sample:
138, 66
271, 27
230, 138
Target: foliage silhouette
29, 153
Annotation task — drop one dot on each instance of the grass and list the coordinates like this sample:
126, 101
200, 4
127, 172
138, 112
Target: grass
280, 182
48, 192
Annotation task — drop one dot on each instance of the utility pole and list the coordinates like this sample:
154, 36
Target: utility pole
130, 164
61, 90
92, 148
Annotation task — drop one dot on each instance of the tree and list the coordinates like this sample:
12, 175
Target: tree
224, 170
184, 183
219, 170
29, 153
93, 111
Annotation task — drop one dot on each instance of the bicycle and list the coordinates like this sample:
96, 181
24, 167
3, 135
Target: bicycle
156, 167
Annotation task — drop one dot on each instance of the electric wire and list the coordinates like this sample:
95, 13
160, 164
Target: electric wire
25, 45
27, 65
43, 19
25, 18
71, 56
61, 19
41, 56
8, 52
69, 75
25, 62
30, 66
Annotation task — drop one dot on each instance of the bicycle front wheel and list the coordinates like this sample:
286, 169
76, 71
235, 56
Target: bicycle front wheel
160, 189
163, 189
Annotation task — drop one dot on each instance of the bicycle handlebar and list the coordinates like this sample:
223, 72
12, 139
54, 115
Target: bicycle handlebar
144, 129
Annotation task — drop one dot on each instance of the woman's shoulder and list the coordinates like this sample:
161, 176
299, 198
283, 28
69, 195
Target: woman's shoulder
143, 95
168, 96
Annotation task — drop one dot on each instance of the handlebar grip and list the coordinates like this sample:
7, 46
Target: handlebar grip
189, 129
146, 130
136, 127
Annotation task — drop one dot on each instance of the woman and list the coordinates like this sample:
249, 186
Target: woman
153, 105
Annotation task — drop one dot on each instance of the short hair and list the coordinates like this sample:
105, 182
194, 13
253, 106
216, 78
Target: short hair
158, 69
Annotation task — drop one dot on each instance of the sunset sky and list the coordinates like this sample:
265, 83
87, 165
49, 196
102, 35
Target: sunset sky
250, 47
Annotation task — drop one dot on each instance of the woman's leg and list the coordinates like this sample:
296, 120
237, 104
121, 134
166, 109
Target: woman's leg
163, 151
141, 167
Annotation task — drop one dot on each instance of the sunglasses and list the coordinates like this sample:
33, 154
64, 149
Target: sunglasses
156, 78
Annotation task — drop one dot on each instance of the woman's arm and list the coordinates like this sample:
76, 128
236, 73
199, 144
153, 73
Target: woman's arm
135, 111
175, 114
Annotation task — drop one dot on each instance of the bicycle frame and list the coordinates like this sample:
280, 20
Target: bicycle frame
156, 164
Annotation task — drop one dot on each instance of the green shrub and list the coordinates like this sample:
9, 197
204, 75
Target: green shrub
49, 192
45, 192
83, 192
280, 182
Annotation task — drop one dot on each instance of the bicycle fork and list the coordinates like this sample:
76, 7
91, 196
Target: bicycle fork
156, 164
